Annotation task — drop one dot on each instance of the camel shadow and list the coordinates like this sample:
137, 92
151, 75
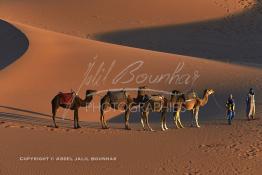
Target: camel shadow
38, 119
235, 38
13, 44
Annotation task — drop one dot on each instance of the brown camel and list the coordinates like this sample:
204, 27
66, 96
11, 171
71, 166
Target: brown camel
194, 104
120, 100
71, 101
155, 103
158, 103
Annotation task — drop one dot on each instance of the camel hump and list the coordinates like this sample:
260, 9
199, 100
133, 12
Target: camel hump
66, 98
191, 95
117, 96
157, 98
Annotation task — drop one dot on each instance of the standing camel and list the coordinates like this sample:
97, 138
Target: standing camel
71, 101
155, 103
158, 103
120, 100
194, 104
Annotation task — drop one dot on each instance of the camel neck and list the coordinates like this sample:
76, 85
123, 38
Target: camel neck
204, 100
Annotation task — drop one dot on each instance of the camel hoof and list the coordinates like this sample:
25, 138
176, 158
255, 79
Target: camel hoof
198, 126
162, 129
55, 126
127, 128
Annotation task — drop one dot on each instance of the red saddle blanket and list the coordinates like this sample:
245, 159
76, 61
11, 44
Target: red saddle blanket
66, 98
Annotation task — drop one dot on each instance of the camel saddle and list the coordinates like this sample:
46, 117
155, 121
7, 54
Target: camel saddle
66, 98
157, 102
191, 95
117, 97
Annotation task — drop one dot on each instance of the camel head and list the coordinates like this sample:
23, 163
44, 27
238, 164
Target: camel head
209, 91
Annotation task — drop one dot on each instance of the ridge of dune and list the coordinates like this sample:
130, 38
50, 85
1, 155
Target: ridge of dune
64, 60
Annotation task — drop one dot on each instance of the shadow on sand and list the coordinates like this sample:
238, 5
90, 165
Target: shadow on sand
37, 118
236, 38
13, 44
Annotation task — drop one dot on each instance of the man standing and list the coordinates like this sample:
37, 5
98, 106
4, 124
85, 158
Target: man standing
250, 104
230, 105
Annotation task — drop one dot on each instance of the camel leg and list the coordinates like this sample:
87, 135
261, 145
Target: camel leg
104, 103
75, 119
54, 114
101, 118
164, 117
127, 114
179, 121
142, 120
54, 121
105, 123
162, 120
54, 109
178, 118
193, 117
196, 117
147, 123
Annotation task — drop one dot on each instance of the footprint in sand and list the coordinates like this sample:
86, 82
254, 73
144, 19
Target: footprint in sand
253, 151
211, 147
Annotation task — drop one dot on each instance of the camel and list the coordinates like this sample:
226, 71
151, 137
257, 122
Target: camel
74, 103
158, 103
155, 103
123, 102
193, 105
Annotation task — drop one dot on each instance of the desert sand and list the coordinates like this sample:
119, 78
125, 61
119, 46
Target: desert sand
208, 45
